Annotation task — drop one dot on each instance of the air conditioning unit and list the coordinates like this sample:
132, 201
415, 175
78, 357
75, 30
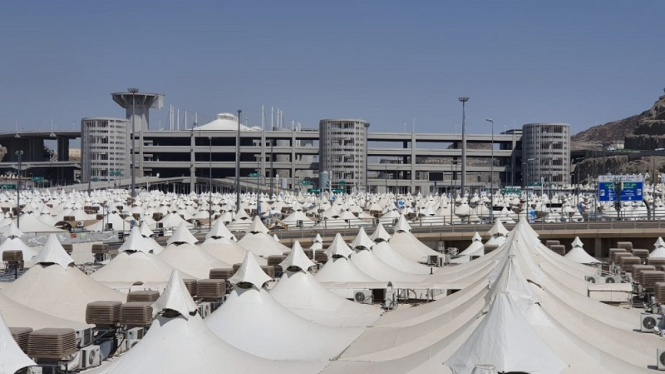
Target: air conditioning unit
649, 322
661, 359
109, 227
204, 310
299, 223
433, 260
613, 279
69, 364
84, 337
91, 356
134, 336
375, 221
363, 296
594, 279
79, 223
159, 225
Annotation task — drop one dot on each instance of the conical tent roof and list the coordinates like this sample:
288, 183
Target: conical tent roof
318, 239
380, 234
12, 358
338, 248
512, 281
250, 272
175, 297
506, 340
179, 344
53, 253
362, 241
16, 244
659, 243
476, 237
257, 226
297, 259
498, 229
182, 235
219, 230
145, 230
30, 223
135, 242
577, 242
579, 255
11, 231
402, 225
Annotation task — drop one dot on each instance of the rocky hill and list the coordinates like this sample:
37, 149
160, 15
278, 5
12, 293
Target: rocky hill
619, 130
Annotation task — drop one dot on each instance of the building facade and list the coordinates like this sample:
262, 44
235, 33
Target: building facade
105, 149
343, 153
546, 152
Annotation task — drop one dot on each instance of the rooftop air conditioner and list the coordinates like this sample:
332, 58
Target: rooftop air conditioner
204, 309
109, 227
661, 359
594, 279
649, 322
363, 296
91, 356
133, 336
79, 223
159, 225
299, 223
433, 260
613, 279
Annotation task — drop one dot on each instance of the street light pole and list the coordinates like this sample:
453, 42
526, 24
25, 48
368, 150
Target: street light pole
463, 183
133, 91
526, 178
238, 163
492, 174
19, 154
210, 186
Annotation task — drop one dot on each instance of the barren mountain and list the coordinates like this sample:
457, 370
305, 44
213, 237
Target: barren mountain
618, 130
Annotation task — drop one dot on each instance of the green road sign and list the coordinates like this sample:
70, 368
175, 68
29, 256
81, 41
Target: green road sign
8, 186
95, 179
342, 183
305, 183
37, 179
338, 190
115, 173
254, 175
313, 190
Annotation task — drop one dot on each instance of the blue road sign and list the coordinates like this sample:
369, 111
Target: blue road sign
632, 187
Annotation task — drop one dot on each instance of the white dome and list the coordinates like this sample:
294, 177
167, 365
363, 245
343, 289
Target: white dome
225, 122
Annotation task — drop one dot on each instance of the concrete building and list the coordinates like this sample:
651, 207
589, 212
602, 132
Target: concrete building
546, 149
104, 149
343, 153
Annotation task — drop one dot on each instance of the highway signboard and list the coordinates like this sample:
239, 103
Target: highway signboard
254, 175
630, 186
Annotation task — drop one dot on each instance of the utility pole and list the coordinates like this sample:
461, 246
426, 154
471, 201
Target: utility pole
210, 186
492, 174
463, 183
133, 91
19, 154
238, 163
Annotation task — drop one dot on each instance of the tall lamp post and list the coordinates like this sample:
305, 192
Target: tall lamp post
19, 154
210, 184
133, 91
491, 174
463, 99
238, 163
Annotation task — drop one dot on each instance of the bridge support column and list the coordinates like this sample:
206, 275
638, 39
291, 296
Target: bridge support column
598, 247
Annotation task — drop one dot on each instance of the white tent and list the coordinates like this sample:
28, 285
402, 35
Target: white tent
16, 244
134, 264
506, 340
250, 310
12, 358
183, 254
302, 294
180, 342
262, 244
54, 286
579, 255
30, 223
367, 262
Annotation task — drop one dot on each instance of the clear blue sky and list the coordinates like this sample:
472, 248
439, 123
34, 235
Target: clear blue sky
579, 62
